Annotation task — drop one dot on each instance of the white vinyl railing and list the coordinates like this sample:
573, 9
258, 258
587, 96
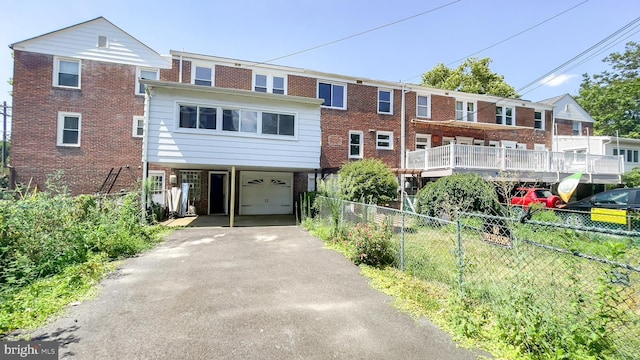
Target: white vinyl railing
493, 158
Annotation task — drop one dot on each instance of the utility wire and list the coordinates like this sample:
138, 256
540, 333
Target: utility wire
360, 33
509, 38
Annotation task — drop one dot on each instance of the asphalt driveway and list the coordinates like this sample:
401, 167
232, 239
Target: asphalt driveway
243, 293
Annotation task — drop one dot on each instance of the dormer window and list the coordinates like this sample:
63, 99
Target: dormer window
266, 83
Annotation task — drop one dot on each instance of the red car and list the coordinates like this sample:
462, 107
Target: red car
527, 196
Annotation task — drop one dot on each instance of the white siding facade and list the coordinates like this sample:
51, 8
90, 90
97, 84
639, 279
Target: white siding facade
175, 146
82, 42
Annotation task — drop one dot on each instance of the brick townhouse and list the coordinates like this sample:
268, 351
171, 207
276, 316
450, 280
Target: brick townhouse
247, 137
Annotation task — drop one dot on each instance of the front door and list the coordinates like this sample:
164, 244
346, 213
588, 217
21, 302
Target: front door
217, 193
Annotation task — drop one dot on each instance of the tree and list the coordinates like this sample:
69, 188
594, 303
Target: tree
632, 178
368, 180
472, 76
459, 192
612, 97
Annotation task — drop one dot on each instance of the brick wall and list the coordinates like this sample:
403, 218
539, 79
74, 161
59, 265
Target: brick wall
234, 78
107, 104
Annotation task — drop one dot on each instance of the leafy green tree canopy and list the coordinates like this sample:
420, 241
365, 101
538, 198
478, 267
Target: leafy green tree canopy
368, 180
458, 192
612, 97
472, 76
632, 178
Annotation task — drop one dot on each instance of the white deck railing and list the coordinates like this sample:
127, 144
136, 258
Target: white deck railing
493, 158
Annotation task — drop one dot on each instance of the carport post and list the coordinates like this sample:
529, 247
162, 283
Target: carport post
233, 197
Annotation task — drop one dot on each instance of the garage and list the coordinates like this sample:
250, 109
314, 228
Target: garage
263, 193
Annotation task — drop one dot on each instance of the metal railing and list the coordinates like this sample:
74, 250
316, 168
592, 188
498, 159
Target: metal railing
548, 275
505, 159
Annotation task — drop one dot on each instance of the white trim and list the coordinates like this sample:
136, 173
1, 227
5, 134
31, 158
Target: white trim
390, 91
521, 146
225, 190
195, 65
539, 147
542, 119
508, 144
61, 116
465, 112
494, 143
446, 140
427, 143
56, 71
390, 140
135, 129
333, 83
139, 71
573, 128
428, 116
269, 79
478, 142
464, 140
503, 115
162, 186
360, 144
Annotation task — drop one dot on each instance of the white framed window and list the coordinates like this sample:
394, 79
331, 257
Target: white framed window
69, 129
446, 140
494, 143
156, 188
423, 106
521, 146
466, 111
384, 140
240, 120
505, 115
334, 94
356, 139
630, 156
67, 72
138, 126
478, 142
423, 141
577, 128
385, 101
269, 83
508, 144
203, 75
278, 124
538, 120
539, 147
147, 74
193, 178
197, 117
464, 140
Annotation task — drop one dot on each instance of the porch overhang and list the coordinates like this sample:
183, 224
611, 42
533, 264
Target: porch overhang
469, 125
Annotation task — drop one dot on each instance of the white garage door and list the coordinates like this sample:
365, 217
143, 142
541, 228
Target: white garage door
266, 193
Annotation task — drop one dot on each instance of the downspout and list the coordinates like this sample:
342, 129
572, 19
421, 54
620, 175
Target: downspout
180, 70
145, 149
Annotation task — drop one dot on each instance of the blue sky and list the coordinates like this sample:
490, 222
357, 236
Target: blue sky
264, 30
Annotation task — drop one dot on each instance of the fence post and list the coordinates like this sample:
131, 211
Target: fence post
459, 255
402, 243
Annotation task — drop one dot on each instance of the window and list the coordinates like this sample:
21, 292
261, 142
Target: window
69, 129
494, 143
620, 197
138, 126
156, 186
577, 128
505, 115
203, 76
385, 101
478, 142
630, 156
521, 146
277, 124
191, 177
423, 141
448, 140
355, 144
423, 106
333, 95
465, 111
539, 147
538, 118
200, 117
384, 140
148, 74
102, 42
240, 120
66, 73
269, 83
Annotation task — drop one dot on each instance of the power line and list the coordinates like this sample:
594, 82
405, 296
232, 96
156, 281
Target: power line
510, 37
360, 33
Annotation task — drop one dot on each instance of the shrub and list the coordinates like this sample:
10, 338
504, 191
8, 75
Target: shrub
370, 244
368, 180
632, 178
460, 192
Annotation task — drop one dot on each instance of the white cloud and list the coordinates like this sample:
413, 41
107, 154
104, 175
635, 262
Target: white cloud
554, 80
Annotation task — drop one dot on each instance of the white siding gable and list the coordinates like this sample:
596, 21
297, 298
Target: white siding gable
569, 109
81, 42
171, 145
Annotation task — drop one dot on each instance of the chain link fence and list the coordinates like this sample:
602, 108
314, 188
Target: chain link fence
545, 282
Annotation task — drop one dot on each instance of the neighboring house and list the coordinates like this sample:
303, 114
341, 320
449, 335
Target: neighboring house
569, 117
262, 132
628, 150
